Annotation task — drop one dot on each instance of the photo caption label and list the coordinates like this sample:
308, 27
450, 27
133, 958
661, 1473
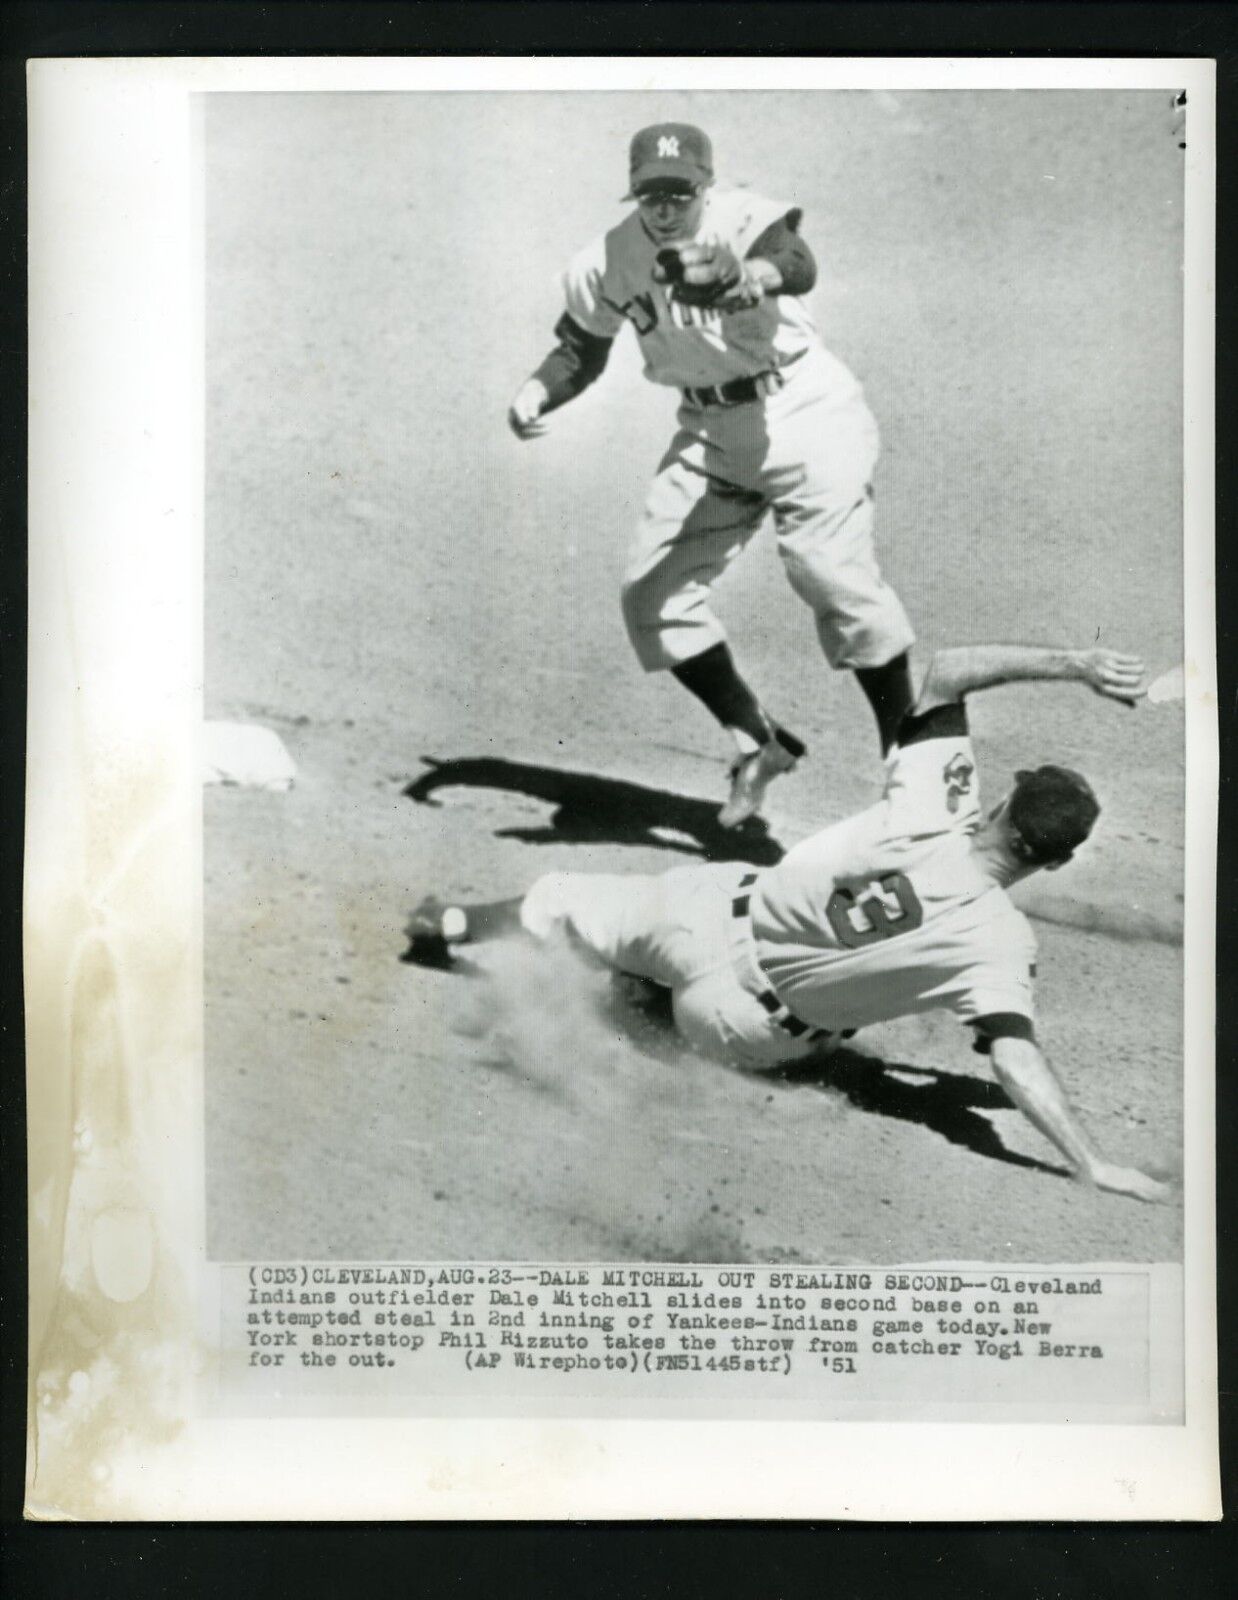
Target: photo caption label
819, 1334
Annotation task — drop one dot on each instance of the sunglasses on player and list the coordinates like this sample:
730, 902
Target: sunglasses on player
677, 199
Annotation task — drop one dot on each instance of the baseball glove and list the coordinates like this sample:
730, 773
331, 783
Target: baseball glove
708, 275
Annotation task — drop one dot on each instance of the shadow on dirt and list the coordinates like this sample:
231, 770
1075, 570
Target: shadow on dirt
947, 1103
592, 809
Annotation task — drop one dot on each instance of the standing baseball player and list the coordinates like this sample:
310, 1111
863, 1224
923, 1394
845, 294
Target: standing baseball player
900, 909
712, 280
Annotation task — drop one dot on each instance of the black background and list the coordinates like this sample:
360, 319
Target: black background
763, 1560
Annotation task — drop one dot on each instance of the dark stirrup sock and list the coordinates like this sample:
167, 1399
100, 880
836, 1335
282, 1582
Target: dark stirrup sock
492, 919
715, 681
793, 746
890, 694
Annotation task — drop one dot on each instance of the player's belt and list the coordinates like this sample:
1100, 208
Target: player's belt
782, 1015
740, 390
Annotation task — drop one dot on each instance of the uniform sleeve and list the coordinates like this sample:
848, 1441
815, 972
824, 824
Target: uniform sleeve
997, 999
584, 292
782, 245
576, 361
931, 782
742, 217
996, 996
1000, 1025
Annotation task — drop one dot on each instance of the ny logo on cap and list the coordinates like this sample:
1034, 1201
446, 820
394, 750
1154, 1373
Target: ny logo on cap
668, 145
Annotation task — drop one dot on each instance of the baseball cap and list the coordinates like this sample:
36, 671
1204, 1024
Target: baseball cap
1053, 810
670, 152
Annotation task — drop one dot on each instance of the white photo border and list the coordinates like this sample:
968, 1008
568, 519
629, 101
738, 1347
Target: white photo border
113, 899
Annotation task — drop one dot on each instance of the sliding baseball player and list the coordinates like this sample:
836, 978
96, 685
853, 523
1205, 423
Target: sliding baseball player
901, 909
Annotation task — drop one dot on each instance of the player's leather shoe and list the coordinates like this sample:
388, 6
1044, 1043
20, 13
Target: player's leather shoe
752, 775
433, 931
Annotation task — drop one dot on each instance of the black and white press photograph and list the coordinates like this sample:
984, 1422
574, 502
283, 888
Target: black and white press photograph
620, 874
694, 673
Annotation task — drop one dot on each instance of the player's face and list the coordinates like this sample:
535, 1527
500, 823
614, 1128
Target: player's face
669, 214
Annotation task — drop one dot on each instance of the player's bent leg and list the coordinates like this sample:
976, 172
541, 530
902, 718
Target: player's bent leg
610, 919
630, 922
547, 908
891, 694
692, 528
764, 749
437, 928
581, 905
825, 521
830, 560
668, 618
716, 682
722, 1021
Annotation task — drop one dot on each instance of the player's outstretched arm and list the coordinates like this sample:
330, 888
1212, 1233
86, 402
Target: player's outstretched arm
1031, 1083
576, 361
959, 671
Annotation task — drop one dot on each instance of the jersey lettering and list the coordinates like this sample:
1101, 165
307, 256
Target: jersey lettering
693, 316
879, 910
641, 311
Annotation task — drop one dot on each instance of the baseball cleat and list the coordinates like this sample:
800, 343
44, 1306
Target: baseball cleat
752, 775
433, 930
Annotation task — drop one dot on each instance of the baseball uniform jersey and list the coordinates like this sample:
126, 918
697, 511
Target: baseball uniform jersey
889, 912
611, 283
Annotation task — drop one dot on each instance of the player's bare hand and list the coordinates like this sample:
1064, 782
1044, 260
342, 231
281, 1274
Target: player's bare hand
1130, 1181
524, 416
1117, 676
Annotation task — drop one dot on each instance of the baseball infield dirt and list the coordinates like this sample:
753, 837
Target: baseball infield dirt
426, 611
